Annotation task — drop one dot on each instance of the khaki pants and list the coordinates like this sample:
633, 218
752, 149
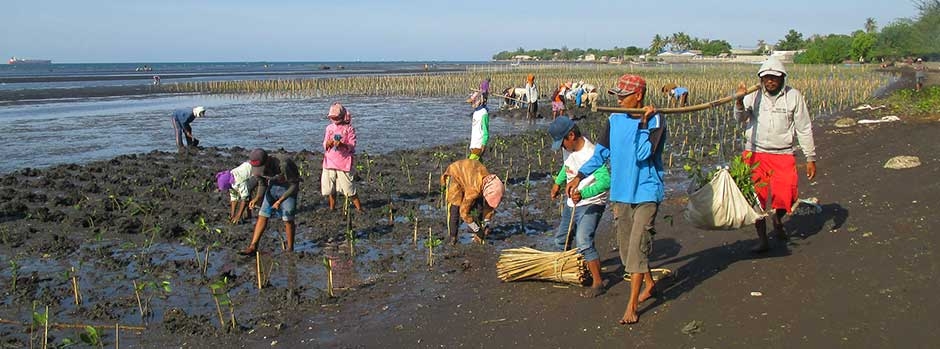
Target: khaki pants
634, 225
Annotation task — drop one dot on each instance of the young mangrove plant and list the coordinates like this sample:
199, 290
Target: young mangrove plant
220, 295
431, 243
91, 337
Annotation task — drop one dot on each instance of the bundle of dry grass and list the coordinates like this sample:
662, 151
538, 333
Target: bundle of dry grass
530, 264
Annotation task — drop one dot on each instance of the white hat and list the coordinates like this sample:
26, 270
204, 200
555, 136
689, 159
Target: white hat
199, 111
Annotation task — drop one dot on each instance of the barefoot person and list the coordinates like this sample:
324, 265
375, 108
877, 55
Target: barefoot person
278, 182
587, 202
181, 125
470, 186
634, 146
773, 116
238, 183
479, 126
339, 149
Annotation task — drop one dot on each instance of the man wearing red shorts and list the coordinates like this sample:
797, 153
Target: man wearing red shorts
773, 116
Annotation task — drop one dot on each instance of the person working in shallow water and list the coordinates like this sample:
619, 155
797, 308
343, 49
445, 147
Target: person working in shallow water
181, 125
479, 127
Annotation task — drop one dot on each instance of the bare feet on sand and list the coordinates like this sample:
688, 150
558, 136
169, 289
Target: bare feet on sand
629, 316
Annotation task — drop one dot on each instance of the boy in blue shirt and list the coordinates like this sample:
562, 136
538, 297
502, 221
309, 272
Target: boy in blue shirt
634, 146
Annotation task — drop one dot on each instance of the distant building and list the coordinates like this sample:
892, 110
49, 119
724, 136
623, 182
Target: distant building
523, 57
589, 57
743, 51
785, 56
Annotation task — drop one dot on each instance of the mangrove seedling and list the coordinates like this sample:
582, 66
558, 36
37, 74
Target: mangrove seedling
91, 337
14, 274
431, 243
220, 295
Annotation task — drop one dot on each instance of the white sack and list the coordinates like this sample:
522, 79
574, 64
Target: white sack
719, 205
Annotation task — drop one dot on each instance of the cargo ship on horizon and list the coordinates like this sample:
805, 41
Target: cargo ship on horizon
14, 60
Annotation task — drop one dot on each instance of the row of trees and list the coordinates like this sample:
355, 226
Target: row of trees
919, 36
676, 42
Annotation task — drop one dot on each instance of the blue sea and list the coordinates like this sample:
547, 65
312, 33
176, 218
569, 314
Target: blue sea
48, 132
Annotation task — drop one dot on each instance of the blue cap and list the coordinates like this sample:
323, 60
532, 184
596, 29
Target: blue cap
559, 129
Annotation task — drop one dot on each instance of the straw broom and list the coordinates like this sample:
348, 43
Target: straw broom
530, 264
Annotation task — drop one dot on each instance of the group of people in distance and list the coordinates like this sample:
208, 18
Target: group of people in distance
623, 166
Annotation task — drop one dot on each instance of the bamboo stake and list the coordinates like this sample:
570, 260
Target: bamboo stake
205, 266
67, 325
45, 338
687, 109
139, 304
117, 336
570, 225
329, 280
258, 267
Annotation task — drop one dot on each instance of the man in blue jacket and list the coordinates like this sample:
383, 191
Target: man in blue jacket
634, 146
181, 120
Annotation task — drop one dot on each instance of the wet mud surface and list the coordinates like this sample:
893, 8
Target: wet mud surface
858, 273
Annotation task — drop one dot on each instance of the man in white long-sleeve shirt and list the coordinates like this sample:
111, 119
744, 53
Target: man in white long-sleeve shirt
773, 116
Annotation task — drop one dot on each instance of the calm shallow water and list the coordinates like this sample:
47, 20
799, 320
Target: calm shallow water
41, 135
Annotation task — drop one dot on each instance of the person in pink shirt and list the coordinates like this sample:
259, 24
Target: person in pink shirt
339, 147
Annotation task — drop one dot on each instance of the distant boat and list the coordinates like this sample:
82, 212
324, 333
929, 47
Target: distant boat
14, 60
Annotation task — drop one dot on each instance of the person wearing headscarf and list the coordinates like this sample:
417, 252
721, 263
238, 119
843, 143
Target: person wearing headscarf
339, 150
479, 127
181, 125
238, 183
531, 97
471, 186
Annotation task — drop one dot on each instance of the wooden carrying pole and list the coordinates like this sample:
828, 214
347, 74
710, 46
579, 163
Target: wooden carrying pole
687, 109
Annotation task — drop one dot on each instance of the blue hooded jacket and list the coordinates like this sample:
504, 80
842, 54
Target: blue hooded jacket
635, 152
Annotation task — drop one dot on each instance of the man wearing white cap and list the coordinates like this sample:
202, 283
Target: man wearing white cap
773, 115
181, 124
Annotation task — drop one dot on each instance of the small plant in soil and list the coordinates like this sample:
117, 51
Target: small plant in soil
431, 243
221, 297
149, 289
406, 169
91, 337
14, 274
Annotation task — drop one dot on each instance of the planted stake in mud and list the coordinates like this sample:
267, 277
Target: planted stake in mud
328, 263
258, 267
140, 305
75, 292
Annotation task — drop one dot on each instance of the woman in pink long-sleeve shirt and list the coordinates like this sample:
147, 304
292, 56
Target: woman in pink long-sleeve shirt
339, 148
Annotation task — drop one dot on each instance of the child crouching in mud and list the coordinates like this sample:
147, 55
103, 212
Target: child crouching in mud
339, 148
470, 186
239, 183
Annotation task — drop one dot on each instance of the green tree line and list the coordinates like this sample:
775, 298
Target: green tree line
918, 36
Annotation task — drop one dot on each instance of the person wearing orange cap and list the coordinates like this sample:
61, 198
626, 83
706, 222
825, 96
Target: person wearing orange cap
470, 185
633, 144
531, 97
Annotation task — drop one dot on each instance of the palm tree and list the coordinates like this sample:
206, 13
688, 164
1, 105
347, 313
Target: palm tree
870, 25
656, 46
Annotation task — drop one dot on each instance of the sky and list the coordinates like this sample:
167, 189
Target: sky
69, 31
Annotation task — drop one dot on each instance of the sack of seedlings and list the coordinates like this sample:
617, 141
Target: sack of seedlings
720, 205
